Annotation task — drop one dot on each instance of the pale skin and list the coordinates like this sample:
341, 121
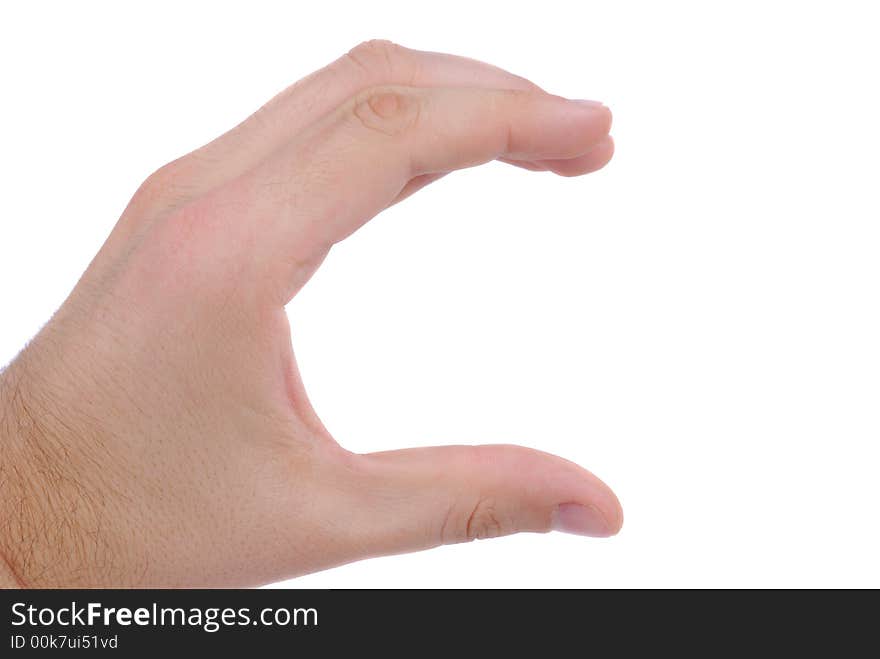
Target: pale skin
156, 432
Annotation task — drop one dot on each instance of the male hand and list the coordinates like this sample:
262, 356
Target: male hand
156, 431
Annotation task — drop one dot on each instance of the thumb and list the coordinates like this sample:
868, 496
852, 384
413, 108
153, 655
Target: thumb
420, 498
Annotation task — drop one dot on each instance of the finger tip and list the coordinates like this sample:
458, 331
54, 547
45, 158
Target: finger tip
592, 160
602, 155
614, 516
588, 520
590, 508
598, 115
611, 510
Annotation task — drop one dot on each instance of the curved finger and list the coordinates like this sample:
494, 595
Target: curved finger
288, 113
360, 159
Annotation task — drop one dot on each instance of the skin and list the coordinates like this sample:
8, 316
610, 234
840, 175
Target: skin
157, 433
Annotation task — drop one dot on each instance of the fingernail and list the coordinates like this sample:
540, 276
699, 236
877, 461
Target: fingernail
580, 520
592, 104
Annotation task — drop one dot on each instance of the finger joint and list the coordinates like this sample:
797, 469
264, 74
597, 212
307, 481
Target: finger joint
476, 521
389, 111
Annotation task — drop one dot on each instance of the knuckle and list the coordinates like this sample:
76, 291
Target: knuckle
390, 111
157, 184
377, 57
164, 189
478, 521
484, 521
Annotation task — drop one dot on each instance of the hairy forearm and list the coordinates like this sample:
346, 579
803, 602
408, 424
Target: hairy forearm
28, 458
11, 477
51, 530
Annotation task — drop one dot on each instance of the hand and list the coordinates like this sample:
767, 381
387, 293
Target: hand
156, 431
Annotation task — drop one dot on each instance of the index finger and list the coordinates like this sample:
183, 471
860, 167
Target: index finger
353, 165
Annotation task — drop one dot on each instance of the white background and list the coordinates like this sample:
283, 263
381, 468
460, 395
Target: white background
698, 323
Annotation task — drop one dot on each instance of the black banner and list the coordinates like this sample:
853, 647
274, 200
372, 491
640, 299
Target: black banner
415, 622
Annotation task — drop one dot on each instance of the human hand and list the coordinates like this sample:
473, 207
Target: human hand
156, 432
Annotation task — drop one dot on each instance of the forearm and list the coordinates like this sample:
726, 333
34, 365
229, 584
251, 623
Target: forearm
45, 512
7, 576
24, 525
9, 480
65, 522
